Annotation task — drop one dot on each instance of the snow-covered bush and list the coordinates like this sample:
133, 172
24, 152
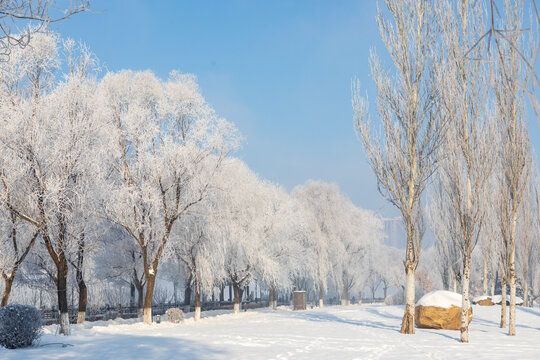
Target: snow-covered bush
398, 298
20, 325
175, 315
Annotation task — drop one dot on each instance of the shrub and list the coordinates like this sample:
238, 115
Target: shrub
175, 315
20, 325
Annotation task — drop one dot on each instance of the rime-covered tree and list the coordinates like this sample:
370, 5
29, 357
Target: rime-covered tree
240, 224
407, 102
166, 143
54, 144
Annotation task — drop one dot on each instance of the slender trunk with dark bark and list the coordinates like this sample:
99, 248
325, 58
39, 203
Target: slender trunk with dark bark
61, 288
273, 298
83, 299
197, 301
81, 314
131, 295
148, 297
8, 283
187, 295
139, 285
503, 302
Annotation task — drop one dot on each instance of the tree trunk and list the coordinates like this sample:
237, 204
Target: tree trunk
148, 297
512, 276
492, 285
359, 298
407, 324
8, 283
83, 300
131, 295
197, 316
512, 312
503, 302
485, 287
230, 293
344, 297
140, 300
273, 298
236, 289
221, 293
465, 299
321, 302
187, 295
61, 288
525, 292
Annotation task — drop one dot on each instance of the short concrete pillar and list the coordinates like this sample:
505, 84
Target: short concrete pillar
299, 299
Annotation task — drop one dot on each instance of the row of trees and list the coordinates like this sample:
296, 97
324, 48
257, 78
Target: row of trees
113, 177
454, 114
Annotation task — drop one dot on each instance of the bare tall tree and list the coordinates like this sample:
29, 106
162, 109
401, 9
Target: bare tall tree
402, 159
527, 231
466, 156
515, 152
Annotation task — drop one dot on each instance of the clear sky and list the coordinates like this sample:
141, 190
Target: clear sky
280, 70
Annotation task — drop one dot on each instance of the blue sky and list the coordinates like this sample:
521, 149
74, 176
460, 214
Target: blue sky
280, 70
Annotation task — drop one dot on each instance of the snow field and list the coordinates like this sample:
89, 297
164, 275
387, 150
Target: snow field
334, 332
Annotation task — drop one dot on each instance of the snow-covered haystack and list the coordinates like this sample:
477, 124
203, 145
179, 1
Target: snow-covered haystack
497, 300
439, 309
483, 300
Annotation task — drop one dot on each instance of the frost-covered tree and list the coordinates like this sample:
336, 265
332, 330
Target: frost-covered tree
166, 143
17, 239
240, 223
196, 247
119, 260
356, 258
334, 242
402, 158
53, 143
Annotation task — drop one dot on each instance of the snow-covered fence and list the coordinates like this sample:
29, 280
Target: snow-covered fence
51, 316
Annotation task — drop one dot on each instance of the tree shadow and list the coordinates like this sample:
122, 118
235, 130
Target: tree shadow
438, 332
528, 310
117, 346
375, 311
326, 317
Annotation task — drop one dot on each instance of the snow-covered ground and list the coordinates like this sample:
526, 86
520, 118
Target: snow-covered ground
352, 332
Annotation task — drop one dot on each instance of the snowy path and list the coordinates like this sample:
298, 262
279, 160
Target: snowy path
353, 332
